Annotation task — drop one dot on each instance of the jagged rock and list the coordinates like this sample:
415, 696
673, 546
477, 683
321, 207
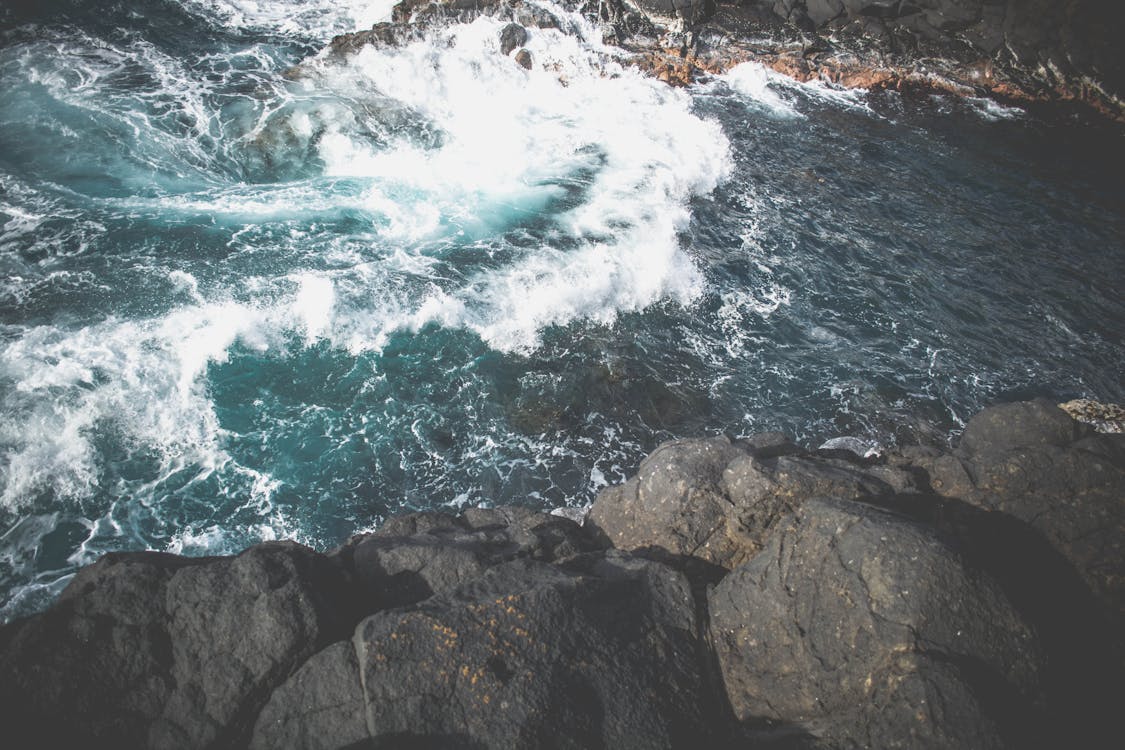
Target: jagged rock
1102, 417
379, 35
974, 624
690, 11
869, 628
1042, 49
529, 655
146, 649
523, 57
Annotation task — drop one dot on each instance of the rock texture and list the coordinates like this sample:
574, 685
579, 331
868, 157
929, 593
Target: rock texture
875, 630
1017, 51
734, 593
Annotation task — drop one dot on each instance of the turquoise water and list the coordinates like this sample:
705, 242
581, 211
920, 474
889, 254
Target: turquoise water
242, 302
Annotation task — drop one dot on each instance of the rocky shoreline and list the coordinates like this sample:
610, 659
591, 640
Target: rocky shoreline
1061, 54
733, 593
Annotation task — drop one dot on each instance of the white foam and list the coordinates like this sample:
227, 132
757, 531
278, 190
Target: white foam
511, 140
778, 93
315, 18
992, 110
315, 299
763, 87
849, 98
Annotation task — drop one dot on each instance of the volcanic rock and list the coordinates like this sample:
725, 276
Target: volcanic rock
147, 649
1034, 462
717, 500
529, 655
758, 593
873, 630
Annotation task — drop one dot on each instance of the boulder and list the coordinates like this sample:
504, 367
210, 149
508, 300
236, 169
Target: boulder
717, 500
676, 502
147, 649
872, 631
320, 707
690, 11
603, 653
512, 36
1034, 462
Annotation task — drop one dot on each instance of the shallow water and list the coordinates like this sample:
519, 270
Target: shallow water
237, 304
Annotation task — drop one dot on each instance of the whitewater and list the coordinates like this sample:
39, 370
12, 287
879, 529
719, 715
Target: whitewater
253, 290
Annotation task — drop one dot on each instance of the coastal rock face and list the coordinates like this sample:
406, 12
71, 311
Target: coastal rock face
1021, 51
733, 593
873, 629
1022, 48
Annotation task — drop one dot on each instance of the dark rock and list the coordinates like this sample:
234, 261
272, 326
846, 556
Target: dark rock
869, 628
772, 445
691, 11
536, 17
153, 650
100, 657
417, 555
320, 707
529, 655
423, 10
379, 35
984, 612
717, 500
676, 502
511, 36
1034, 462
1020, 425
523, 57
823, 11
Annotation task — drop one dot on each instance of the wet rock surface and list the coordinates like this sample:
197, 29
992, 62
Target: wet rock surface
1016, 51
735, 593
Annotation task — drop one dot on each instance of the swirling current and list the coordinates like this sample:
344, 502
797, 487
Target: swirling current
242, 300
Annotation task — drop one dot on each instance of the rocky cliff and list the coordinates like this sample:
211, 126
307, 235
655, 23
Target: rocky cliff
733, 593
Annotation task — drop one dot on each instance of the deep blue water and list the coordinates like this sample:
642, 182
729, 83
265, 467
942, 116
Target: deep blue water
239, 303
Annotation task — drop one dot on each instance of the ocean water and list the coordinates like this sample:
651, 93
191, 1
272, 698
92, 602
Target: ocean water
241, 301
